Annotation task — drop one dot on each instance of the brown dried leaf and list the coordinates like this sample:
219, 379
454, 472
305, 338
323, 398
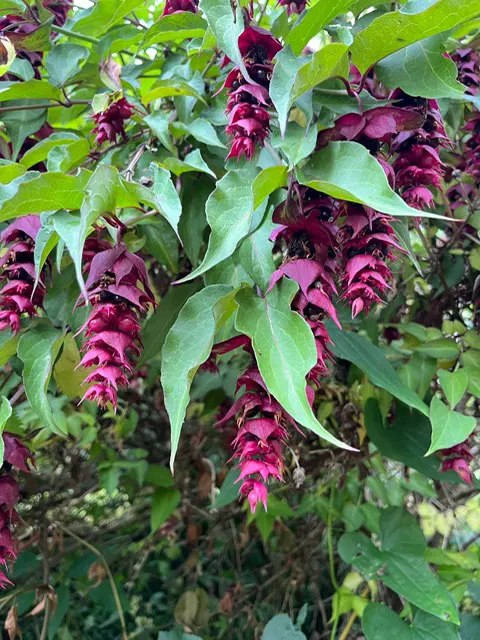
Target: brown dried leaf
11, 623
98, 573
110, 73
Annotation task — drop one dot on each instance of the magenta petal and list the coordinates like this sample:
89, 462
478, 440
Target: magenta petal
321, 300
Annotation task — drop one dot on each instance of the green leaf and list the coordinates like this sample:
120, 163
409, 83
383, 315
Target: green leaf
101, 16
281, 627
45, 242
67, 377
8, 346
292, 76
193, 162
170, 88
406, 440
157, 326
377, 618
37, 349
297, 143
32, 89
453, 385
400, 564
422, 70
187, 346
312, 21
417, 373
228, 490
11, 171
193, 222
448, 427
21, 124
398, 29
162, 243
166, 196
37, 40
255, 255
347, 171
40, 151
68, 156
100, 198
176, 27
226, 27
36, 192
201, 130
158, 123
371, 360
440, 349
5, 413
164, 502
284, 348
268, 181
229, 211
64, 62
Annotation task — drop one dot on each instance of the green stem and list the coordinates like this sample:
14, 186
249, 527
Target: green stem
74, 34
50, 105
331, 562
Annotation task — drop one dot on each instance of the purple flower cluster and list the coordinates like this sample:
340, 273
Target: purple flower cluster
418, 165
180, 6
262, 430
249, 120
458, 459
16, 455
293, 6
468, 65
109, 124
367, 239
18, 296
113, 328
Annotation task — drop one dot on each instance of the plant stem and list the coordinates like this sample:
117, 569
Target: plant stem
50, 105
345, 633
74, 34
102, 559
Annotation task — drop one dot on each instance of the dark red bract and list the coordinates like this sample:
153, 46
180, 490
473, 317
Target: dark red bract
111, 123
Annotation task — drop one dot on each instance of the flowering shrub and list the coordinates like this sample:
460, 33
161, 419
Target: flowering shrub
239, 315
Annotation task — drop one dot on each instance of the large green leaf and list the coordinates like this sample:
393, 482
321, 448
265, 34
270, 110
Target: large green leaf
284, 349
347, 171
201, 130
226, 26
101, 16
268, 181
454, 384
156, 328
176, 27
159, 124
170, 88
40, 151
297, 143
64, 61
188, 345
292, 76
312, 21
229, 212
448, 427
36, 192
400, 564
37, 349
164, 503
255, 255
161, 243
396, 30
22, 123
32, 89
371, 360
100, 198
422, 69
406, 440
377, 618
166, 196
281, 627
